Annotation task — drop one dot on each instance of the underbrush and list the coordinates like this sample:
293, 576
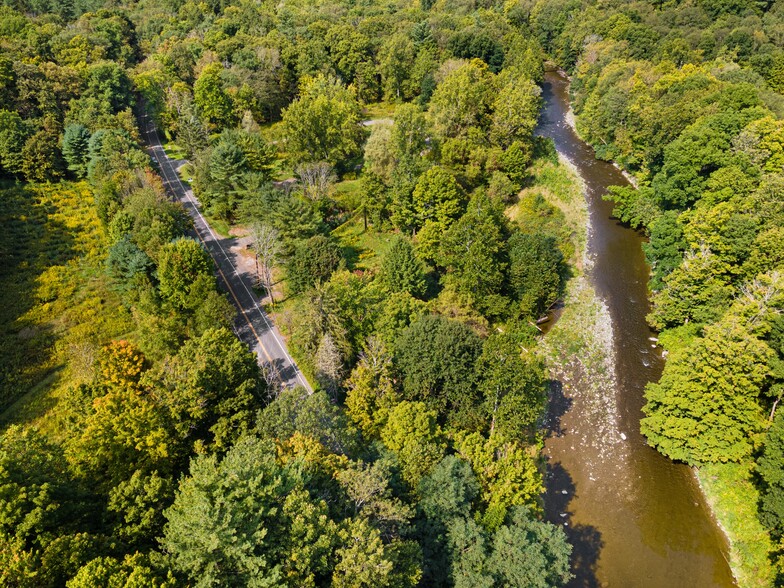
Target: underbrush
56, 307
733, 499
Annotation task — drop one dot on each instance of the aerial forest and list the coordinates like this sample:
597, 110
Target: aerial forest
377, 168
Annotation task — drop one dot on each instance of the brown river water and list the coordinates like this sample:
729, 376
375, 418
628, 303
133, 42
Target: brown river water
635, 518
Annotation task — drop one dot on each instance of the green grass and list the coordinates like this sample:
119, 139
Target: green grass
219, 225
56, 304
379, 110
733, 499
363, 249
186, 173
174, 151
348, 193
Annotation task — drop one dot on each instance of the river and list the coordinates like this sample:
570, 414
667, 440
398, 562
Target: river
635, 518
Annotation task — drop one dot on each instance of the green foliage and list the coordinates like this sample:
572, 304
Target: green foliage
636, 207
311, 415
402, 271
210, 98
396, 58
413, 434
40, 158
696, 290
436, 358
210, 388
524, 552
516, 160
182, 263
507, 472
515, 112
527, 552
462, 100
664, 249
226, 525
735, 499
447, 494
138, 504
704, 409
126, 261
12, 139
323, 124
770, 466
321, 505
75, 148
109, 84
702, 149
134, 571
38, 496
513, 386
470, 43
536, 267
371, 392
437, 198
364, 561
473, 252
312, 262
231, 170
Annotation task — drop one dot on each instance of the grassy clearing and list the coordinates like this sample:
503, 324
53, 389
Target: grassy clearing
56, 306
559, 186
379, 110
174, 151
348, 193
733, 499
363, 249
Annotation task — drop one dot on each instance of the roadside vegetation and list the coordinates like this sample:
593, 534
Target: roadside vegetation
141, 443
409, 257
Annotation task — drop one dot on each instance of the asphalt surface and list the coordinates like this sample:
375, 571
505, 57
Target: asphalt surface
252, 325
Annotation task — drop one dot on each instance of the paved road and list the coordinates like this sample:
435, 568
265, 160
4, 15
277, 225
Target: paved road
252, 324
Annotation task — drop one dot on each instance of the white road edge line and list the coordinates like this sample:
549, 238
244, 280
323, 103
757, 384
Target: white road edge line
191, 198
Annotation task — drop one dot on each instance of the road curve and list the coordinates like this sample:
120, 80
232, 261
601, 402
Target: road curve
252, 324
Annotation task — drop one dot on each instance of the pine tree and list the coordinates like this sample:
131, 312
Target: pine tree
75, 148
401, 270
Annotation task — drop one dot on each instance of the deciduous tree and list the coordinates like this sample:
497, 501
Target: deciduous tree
323, 124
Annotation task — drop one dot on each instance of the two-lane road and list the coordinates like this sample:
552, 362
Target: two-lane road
252, 324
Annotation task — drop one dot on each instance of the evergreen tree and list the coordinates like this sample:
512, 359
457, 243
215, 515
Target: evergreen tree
311, 262
75, 148
436, 358
770, 467
226, 525
535, 268
180, 264
473, 250
401, 270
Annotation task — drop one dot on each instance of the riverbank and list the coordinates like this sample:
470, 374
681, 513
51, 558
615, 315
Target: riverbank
733, 499
578, 348
633, 517
729, 493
